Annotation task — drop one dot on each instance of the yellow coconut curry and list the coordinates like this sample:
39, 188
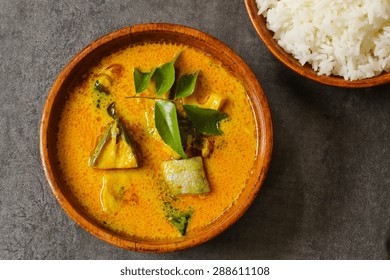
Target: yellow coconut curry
156, 141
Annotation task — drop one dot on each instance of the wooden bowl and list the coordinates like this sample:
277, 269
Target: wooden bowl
135, 35
259, 22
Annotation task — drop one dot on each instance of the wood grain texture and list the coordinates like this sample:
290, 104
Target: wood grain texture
156, 33
287, 59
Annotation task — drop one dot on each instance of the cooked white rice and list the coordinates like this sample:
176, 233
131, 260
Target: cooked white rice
349, 38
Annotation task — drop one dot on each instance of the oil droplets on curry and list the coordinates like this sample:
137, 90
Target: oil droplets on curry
156, 141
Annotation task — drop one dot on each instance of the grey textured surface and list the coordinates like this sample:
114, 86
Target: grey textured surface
327, 195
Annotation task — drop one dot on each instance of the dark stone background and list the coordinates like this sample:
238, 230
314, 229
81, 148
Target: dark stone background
328, 190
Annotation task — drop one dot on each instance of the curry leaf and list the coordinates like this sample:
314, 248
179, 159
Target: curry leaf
164, 76
179, 219
180, 222
111, 111
205, 121
99, 87
141, 79
186, 85
165, 117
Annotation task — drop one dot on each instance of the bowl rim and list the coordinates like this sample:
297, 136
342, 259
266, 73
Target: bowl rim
109, 236
259, 23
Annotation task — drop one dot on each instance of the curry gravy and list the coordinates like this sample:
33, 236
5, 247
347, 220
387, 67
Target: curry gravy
141, 214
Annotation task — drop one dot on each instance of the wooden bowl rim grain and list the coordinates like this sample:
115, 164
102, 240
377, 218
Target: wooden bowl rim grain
134, 35
259, 22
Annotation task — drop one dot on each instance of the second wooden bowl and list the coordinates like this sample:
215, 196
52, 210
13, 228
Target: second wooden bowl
259, 22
